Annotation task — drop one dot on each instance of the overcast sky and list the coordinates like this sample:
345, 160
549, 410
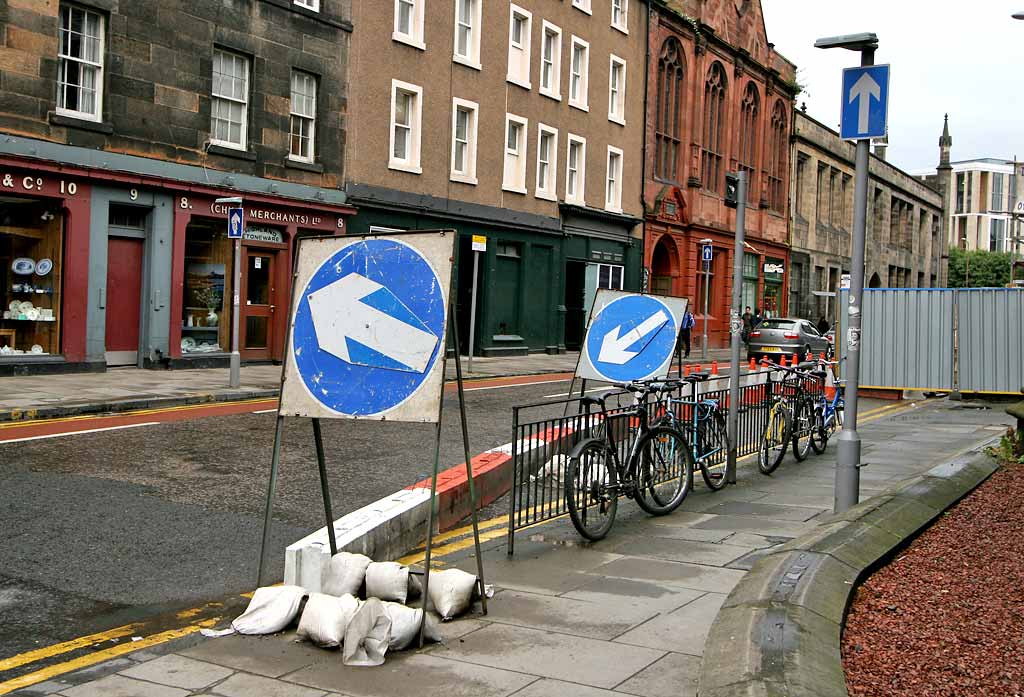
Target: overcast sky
965, 58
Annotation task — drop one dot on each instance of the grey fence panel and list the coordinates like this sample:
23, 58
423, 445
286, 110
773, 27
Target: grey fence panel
991, 340
906, 338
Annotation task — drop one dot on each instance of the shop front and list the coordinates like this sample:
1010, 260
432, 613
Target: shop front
44, 226
774, 271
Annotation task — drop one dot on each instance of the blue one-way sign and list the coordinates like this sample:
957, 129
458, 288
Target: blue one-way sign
865, 108
236, 223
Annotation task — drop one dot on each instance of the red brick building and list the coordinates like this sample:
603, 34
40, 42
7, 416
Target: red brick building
720, 99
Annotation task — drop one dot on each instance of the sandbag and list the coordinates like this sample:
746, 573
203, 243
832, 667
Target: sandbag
270, 610
451, 592
326, 618
387, 580
405, 626
345, 574
367, 636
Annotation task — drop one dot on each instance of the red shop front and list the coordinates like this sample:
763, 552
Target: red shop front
202, 280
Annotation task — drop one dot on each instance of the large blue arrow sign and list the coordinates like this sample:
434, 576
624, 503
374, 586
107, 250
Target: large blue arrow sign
631, 338
865, 108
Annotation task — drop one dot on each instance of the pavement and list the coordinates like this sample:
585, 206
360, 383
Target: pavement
625, 616
126, 389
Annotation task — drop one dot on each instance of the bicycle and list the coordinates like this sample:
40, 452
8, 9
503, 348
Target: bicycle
704, 428
790, 419
657, 471
829, 411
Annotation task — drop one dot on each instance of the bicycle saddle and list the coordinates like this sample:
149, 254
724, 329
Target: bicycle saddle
698, 377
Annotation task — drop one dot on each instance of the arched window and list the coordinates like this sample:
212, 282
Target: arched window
750, 108
714, 110
779, 144
670, 97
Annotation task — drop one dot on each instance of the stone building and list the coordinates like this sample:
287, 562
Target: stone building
720, 99
904, 246
518, 122
123, 121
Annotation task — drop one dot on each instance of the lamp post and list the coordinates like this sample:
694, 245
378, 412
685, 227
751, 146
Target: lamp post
847, 481
235, 371
1018, 15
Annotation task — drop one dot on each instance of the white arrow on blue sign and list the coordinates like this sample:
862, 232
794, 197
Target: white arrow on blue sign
630, 337
236, 223
368, 329
706, 252
865, 108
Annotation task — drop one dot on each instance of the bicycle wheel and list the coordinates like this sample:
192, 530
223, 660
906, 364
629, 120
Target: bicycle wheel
775, 439
803, 421
819, 431
591, 491
664, 469
714, 450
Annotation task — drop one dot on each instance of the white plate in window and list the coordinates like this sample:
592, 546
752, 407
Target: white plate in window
187, 343
15, 305
23, 266
24, 306
36, 348
32, 314
43, 267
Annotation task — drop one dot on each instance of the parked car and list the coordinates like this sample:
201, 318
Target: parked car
786, 336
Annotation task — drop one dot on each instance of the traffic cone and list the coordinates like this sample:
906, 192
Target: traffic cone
714, 367
753, 364
821, 356
783, 362
686, 371
697, 368
764, 361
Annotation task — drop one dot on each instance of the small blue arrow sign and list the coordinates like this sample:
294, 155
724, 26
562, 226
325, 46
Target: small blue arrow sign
865, 107
236, 223
631, 338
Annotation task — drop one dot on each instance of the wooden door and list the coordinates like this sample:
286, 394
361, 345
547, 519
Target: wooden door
124, 299
259, 303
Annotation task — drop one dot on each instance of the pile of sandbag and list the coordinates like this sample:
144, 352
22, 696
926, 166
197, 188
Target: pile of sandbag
361, 609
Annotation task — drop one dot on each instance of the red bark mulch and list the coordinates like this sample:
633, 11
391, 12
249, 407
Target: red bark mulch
946, 617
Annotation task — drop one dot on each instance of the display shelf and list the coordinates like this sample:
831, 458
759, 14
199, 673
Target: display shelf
17, 319
44, 291
185, 328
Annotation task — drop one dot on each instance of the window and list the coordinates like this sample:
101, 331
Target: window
613, 190
551, 62
833, 188
467, 33
230, 102
714, 108
547, 161
997, 191
80, 69
801, 179
309, 4
997, 235
617, 90
575, 169
822, 202
960, 180
751, 264
610, 276
303, 116
579, 74
520, 24
970, 191
619, 19
515, 154
406, 112
669, 105
409, 23
464, 126
583, 5
843, 188
749, 108
779, 144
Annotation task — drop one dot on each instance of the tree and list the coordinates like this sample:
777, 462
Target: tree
978, 269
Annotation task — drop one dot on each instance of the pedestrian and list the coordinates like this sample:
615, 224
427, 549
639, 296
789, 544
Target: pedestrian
748, 320
756, 319
823, 325
685, 328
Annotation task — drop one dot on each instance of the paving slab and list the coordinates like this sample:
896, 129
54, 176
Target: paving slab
567, 615
408, 673
611, 592
542, 568
248, 685
695, 576
178, 671
560, 688
683, 550
549, 655
682, 631
120, 686
763, 526
269, 656
674, 675
764, 510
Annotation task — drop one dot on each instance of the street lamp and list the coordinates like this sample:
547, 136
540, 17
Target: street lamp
1018, 15
707, 291
847, 482
235, 370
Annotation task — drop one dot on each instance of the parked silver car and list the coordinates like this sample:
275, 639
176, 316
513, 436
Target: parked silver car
786, 336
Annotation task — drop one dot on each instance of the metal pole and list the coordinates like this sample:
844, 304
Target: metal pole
847, 483
707, 292
469, 466
274, 460
430, 515
235, 377
472, 313
325, 490
736, 327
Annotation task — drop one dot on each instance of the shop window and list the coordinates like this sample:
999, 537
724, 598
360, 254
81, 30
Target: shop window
750, 276
705, 280
507, 249
610, 276
31, 251
206, 321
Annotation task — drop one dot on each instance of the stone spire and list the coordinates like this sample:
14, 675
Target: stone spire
945, 144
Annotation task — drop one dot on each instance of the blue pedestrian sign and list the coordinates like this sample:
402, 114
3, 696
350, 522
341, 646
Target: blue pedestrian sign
630, 337
865, 108
368, 331
236, 223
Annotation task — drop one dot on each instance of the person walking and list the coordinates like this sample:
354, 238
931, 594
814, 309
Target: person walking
748, 320
756, 319
823, 325
685, 329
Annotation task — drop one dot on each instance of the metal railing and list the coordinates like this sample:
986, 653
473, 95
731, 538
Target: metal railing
544, 433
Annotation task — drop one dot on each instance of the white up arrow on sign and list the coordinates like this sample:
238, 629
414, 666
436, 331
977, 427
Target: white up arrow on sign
864, 89
613, 346
340, 313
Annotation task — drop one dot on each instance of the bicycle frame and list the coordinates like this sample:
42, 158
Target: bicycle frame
701, 411
627, 481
